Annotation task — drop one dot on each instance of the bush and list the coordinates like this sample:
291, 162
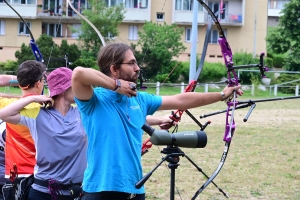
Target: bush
286, 78
170, 73
88, 63
11, 66
212, 72
278, 59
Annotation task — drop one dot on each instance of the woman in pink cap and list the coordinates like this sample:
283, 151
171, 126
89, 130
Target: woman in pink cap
59, 137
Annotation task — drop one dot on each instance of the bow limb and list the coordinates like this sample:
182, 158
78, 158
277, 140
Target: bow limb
230, 123
176, 116
90, 23
36, 52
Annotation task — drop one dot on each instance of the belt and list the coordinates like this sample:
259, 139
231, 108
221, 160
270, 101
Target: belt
46, 184
110, 195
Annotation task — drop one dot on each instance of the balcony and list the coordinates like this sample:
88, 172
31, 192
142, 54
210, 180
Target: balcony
138, 14
232, 12
186, 17
275, 7
233, 19
27, 10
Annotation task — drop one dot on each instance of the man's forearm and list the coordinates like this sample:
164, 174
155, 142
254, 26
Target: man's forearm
92, 77
8, 80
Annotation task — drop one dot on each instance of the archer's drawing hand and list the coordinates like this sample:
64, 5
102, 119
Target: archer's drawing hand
127, 88
167, 122
229, 90
42, 99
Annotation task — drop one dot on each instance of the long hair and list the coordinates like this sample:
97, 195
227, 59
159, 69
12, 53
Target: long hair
111, 54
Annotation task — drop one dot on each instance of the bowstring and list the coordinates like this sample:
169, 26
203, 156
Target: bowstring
59, 26
157, 90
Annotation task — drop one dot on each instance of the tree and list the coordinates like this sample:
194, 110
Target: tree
285, 39
159, 45
50, 50
106, 20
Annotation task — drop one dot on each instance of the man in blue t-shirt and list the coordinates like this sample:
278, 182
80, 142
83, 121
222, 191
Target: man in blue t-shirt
113, 114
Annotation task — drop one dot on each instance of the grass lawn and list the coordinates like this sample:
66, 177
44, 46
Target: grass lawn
263, 160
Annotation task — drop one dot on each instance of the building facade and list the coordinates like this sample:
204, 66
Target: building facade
274, 11
244, 23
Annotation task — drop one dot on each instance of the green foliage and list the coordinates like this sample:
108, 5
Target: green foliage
278, 59
9, 67
292, 61
72, 50
2, 64
286, 78
255, 81
49, 49
277, 41
210, 72
105, 19
244, 58
24, 54
170, 73
88, 63
162, 78
159, 44
285, 39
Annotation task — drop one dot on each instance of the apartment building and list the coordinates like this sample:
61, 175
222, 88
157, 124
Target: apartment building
274, 9
244, 23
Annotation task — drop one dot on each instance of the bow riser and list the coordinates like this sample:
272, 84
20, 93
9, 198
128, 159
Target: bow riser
176, 116
226, 51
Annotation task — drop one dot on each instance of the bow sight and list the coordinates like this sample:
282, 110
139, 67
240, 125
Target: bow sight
260, 65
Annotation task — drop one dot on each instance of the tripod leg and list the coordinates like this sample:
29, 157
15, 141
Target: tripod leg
200, 170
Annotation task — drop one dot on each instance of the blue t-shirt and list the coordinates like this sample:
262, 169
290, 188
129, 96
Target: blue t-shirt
113, 126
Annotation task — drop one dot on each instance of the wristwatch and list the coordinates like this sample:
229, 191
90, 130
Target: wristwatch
222, 95
118, 84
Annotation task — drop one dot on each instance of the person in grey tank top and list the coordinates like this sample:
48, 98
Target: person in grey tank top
58, 134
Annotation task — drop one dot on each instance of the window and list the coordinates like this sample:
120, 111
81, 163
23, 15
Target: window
133, 32
23, 30
142, 4
2, 27
160, 16
215, 7
77, 27
280, 4
188, 34
31, 2
110, 3
214, 36
53, 30
187, 5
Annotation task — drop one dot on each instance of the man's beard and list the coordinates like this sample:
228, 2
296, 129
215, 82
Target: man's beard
129, 78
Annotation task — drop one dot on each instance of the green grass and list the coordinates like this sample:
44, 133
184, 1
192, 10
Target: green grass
263, 160
170, 90
262, 163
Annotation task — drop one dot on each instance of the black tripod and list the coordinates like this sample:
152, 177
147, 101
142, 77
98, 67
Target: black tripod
172, 156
